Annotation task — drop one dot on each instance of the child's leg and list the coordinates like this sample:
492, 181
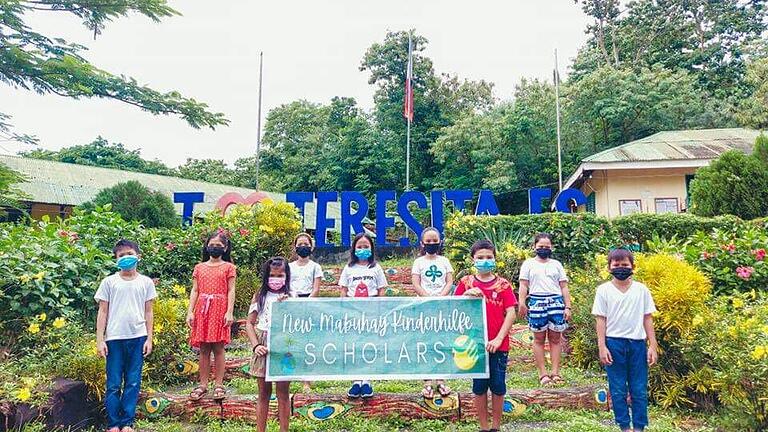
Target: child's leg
205, 364
115, 367
617, 381
497, 366
283, 404
497, 409
220, 365
638, 383
538, 322
262, 409
134, 360
539, 339
481, 407
555, 350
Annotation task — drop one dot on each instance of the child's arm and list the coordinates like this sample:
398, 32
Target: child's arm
605, 355
316, 284
566, 299
101, 327
192, 303
653, 354
448, 284
250, 330
229, 317
523, 301
149, 318
509, 319
416, 281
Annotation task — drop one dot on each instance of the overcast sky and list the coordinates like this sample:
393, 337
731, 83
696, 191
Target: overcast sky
312, 50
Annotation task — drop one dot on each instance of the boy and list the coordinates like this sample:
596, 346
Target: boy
500, 302
623, 311
124, 334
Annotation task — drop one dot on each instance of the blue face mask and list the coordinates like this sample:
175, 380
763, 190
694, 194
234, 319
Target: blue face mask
127, 262
363, 254
485, 265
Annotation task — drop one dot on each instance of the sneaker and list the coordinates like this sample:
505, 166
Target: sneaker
366, 391
354, 391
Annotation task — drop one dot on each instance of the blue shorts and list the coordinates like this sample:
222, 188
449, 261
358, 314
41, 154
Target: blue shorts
546, 312
497, 367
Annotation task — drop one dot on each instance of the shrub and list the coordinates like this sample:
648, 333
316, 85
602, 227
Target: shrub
248, 282
735, 261
639, 228
170, 337
136, 202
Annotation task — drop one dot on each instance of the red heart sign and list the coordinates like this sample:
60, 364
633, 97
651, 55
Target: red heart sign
231, 198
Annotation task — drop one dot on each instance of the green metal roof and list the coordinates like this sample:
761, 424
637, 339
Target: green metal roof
680, 145
70, 184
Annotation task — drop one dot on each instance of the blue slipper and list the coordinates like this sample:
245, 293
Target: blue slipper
354, 391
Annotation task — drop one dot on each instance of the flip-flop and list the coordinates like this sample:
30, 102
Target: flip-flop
197, 393
443, 389
428, 392
219, 393
545, 380
557, 379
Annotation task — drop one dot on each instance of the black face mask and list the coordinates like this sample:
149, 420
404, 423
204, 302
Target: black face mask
431, 248
543, 253
303, 251
215, 251
621, 273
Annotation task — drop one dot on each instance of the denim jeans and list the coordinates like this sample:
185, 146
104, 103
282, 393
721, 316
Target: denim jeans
628, 375
496, 381
125, 358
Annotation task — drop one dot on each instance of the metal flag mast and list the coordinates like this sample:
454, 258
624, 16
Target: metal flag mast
557, 111
258, 121
408, 112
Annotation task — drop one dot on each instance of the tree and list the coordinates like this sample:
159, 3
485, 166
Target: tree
207, 170
102, 153
9, 195
753, 110
33, 61
734, 183
135, 202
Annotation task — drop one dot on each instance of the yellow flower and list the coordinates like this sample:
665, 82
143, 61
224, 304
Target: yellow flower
59, 322
179, 290
738, 303
500, 264
760, 352
34, 328
42, 317
765, 329
158, 328
39, 276
24, 394
697, 321
24, 278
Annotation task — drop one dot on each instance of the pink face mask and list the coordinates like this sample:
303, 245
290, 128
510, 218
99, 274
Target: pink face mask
276, 283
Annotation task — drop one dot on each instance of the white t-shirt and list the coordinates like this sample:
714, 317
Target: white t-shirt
126, 298
543, 277
362, 281
624, 312
265, 318
432, 272
303, 277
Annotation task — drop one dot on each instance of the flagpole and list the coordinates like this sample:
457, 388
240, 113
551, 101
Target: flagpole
408, 129
557, 109
258, 121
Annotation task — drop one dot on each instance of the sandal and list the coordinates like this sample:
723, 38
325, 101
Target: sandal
444, 390
557, 379
197, 393
219, 393
128, 429
545, 380
427, 392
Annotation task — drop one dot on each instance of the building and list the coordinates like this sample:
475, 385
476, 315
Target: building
653, 174
55, 188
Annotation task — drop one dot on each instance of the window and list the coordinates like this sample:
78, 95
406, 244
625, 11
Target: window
666, 205
627, 207
591, 203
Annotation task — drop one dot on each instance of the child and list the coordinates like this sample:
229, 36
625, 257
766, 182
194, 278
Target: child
305, 273
546, 302
275, 286
500, 302
362, 277
211, 305
432, 276
623, 311
124, 334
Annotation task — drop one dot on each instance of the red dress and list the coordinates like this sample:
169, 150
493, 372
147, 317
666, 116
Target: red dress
211, 307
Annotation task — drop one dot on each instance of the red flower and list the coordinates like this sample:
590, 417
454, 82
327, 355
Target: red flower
744, 272
63, 233
759, 254
73, 236
706, 255
170, 246
729, 247
244, 232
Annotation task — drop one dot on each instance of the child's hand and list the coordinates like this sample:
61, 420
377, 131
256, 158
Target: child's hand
190, 320
522, 310
101, 349
260, 350
605, 357
653, 355
474, 292
493, 345
282, 297
228, 319
147, 347
568, 315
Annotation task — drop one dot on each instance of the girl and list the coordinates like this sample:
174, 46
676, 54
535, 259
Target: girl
211, 305
362, 277
305, 273
275, 286
546, 301
432, 275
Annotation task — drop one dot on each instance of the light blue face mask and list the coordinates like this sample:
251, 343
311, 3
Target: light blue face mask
127, 262
485, 265
363, 254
